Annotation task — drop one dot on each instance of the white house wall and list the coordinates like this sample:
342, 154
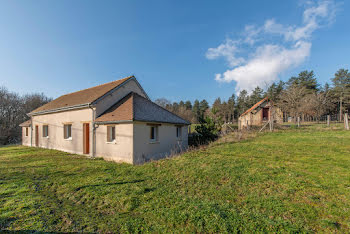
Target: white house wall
121, 150
56, 121
167, 143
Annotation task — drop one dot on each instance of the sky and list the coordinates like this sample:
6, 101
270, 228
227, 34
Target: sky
179, 50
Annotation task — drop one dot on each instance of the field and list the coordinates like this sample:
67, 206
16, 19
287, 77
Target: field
287, 181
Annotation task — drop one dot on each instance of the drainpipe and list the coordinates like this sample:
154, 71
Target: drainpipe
93, 131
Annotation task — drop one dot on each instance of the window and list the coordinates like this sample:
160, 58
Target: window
153, 133
67, 131
110, 133
45, 130
178, 132
26, 131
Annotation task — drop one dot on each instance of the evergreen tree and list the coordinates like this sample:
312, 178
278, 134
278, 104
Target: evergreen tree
305, 79
188, 105
196, 109
341, 89
242, 102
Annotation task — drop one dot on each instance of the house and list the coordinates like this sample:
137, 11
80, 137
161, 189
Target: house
116, 121
260, 113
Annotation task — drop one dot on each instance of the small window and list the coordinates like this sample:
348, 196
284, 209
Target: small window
67, 131
45, 130
110, 133
178, 132
27, 131
153, 133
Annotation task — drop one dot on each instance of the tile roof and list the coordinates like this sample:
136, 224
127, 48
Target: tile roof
84, 96
255, 106
25, 123
134, 107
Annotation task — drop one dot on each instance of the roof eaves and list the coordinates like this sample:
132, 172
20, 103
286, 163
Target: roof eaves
80, 106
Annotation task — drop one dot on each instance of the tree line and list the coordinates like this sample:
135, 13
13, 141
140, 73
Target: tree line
13, 111
300, 96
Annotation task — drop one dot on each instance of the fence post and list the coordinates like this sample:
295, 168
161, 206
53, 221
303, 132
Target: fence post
298, 121
328, 120
346, 121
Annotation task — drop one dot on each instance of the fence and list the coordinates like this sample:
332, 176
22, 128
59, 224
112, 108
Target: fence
326, 120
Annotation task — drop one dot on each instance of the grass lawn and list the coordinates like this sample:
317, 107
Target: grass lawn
295, 180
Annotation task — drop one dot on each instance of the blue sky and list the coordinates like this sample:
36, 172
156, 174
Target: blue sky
179, 50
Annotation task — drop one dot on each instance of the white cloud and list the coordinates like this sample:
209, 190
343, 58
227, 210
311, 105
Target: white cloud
268, 60
227, 50
264, 67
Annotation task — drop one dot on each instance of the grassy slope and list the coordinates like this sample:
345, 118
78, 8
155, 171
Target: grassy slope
286, 181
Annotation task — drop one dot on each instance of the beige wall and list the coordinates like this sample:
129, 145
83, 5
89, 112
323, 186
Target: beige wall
167, 143
122, 91
119, 151
26, 139
55, 121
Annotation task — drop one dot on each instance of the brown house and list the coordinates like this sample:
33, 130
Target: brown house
259, 114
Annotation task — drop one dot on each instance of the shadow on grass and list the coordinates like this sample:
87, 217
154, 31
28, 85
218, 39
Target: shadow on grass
109, 184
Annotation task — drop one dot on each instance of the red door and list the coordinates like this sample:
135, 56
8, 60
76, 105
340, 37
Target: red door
86, 138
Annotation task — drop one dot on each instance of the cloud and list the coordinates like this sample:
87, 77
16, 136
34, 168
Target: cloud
227, 50
266, 60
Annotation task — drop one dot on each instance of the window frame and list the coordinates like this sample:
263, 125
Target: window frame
45, 134
178, 132
154, 133
111, 134
26, 133
67, 126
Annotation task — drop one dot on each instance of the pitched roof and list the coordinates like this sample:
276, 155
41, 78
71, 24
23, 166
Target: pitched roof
84, 96
255, 106
25, 123
134, 107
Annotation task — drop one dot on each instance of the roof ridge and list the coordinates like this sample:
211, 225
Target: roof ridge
125, 78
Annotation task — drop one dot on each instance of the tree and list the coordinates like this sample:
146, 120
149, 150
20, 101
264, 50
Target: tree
341, 88
305, 79
203, 107
242, 102
273, 92
291, 99
231, 108
256, 96
188, 105
13, 111
163, 102
196, 109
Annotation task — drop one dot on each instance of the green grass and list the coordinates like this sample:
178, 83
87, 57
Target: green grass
287, 181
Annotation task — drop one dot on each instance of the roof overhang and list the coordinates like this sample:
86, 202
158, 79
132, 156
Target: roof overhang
75, 107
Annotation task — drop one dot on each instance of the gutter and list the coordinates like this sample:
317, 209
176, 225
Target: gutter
94, 127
